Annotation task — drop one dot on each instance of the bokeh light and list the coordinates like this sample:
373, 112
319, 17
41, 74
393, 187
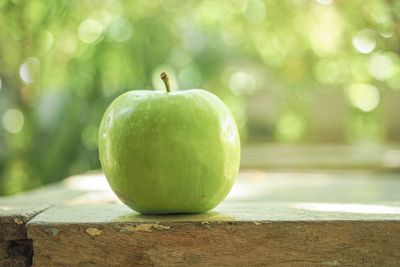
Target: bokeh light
364, 41
381, 65
13, 120
324, 2
242, 83
364, 96
254, 11
120, 30
325, 31
290, 127
29, 70
90, 30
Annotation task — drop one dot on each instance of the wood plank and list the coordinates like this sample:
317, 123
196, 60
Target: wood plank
16, 210
221, 244
278, 219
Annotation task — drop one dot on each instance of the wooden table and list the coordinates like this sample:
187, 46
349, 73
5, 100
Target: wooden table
270, 218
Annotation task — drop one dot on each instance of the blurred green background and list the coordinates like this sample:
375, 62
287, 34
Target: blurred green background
294, 71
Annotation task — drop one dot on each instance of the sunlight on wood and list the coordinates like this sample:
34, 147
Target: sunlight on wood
88, 181
91, 198
258, 184
348, 208
97, 185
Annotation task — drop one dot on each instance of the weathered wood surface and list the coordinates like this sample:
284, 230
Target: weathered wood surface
277, 219
16, 211
328, 243
16, 253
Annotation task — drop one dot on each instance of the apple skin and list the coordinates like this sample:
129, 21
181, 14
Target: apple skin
176, 152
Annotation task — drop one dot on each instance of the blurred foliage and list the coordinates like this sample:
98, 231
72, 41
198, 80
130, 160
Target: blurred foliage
62, 62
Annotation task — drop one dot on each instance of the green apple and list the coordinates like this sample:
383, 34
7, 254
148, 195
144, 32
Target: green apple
169, 152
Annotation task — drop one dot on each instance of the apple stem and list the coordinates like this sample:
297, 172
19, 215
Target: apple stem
165, 79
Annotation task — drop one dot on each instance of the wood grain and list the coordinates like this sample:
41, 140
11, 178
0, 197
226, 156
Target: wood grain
273, 219
327, 243
16, 210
